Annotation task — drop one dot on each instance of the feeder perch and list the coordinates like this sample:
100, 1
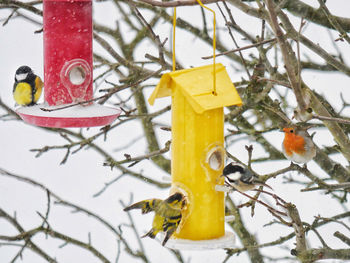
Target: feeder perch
198, 152
68, 69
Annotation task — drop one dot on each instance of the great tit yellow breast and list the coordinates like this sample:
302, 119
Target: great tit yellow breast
25, 93
22, 93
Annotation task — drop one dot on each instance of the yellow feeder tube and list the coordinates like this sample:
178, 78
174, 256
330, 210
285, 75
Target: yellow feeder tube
198, 145
194, 137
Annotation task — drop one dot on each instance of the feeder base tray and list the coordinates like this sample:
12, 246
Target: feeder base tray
227, 241
75, 116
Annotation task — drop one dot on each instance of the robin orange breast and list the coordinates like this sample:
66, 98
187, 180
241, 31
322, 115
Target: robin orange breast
297, 145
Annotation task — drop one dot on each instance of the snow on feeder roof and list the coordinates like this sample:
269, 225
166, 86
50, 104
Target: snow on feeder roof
68, 69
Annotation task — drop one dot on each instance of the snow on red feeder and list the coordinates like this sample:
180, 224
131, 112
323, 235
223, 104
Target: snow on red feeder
68, 69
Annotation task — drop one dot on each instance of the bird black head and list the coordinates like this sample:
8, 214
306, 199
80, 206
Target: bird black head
233, 168
177, 197
24, 73
234, 172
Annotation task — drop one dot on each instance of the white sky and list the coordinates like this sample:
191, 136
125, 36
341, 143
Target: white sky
84, 175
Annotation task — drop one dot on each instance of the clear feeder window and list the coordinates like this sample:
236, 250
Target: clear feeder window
77, 75
215, 158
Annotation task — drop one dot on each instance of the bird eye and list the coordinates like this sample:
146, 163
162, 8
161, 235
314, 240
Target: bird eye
291, 131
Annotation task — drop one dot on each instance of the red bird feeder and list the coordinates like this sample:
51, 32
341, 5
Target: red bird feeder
68, 69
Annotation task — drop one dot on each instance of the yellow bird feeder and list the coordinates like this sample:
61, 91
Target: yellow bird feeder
197, 151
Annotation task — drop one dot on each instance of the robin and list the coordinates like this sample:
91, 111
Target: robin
297, 145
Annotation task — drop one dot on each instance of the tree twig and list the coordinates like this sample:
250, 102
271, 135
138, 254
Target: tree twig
242, 48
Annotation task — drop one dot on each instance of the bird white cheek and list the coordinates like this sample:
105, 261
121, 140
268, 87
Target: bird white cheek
20, 77
234, 176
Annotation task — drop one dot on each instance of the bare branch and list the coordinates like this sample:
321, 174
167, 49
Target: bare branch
176, 3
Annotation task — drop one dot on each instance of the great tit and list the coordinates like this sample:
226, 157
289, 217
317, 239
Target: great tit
27, 88
167, 215
240, 178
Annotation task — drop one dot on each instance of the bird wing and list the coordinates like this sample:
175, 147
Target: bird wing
170, 225
146, 206
38, 88
14, 86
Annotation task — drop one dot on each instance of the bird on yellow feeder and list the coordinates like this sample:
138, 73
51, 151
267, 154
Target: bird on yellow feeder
168, 214
240, 178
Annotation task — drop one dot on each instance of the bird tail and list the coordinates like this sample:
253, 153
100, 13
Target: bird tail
134, 206
258, 182
152, 234
168, 235
146, 206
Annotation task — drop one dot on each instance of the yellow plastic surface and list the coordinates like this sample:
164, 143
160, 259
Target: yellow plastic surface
197, 131
193, 136
197, 86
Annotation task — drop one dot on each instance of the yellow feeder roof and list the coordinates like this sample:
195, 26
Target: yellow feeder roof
196, 85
